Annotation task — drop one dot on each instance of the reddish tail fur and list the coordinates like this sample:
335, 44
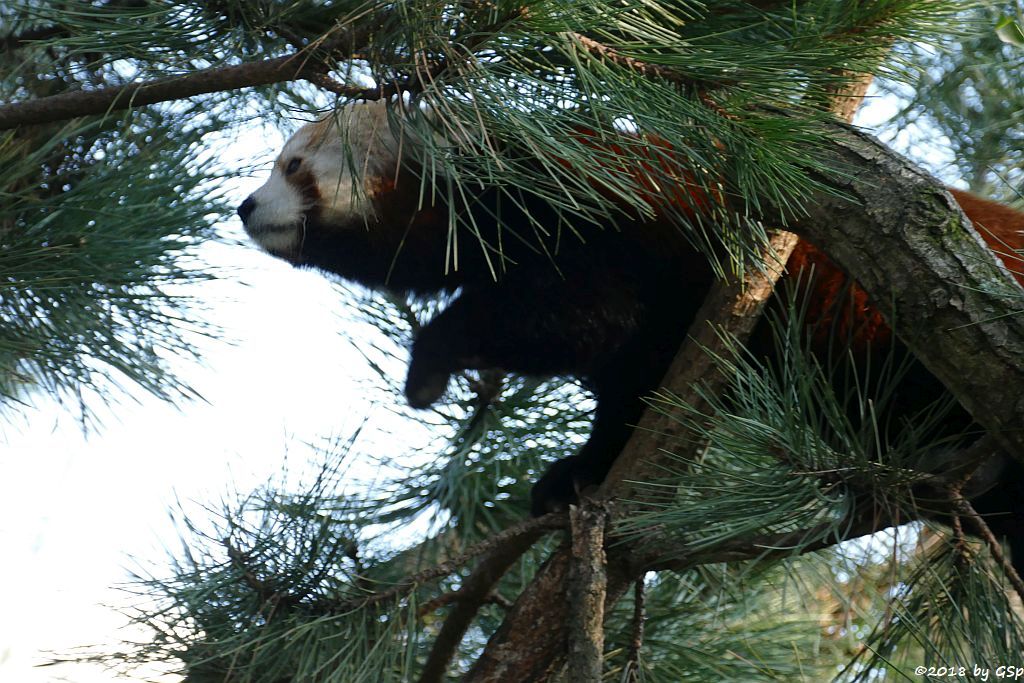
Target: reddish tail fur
837, 305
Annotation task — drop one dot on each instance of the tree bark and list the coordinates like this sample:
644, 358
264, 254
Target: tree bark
529, 646
946, 295
588, 582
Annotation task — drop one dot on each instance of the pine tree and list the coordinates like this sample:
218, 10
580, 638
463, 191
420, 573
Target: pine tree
721, 555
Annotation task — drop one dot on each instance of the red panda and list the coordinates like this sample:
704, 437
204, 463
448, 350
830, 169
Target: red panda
610, 308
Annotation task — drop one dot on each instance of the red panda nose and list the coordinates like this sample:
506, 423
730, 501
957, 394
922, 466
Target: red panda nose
246, 208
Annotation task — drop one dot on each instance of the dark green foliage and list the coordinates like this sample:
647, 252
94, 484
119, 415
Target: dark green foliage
97, 233
94, 255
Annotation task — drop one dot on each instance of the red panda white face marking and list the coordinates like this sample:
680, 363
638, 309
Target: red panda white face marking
327, 171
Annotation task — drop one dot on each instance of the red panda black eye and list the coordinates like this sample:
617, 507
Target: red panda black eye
292, 166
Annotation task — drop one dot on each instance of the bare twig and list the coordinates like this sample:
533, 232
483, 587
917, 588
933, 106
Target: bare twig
632, 673
964, 509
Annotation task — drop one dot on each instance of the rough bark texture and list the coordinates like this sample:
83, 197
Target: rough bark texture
588, 583
468, 599
529, 647
905, 240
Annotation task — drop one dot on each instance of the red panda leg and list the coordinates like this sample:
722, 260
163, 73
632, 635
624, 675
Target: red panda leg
567, 478
540, 326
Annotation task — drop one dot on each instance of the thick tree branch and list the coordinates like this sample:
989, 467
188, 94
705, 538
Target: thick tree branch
529, 645
587, 585
905, 240
731, 308
106, 100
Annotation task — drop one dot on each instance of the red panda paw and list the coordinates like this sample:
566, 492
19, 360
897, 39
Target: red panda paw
423, 386
562, 485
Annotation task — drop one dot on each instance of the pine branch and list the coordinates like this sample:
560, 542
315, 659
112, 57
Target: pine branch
769, 546
528, 529
310, 63
731, 307
296, 66
642, 68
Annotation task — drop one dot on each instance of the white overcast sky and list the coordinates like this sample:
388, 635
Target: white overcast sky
75, 509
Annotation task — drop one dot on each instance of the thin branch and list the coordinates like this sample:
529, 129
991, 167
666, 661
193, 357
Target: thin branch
307, 64
355, 92
477, 589
965, 510
516, 532
106, 100
271, 598
632, 672
452, 597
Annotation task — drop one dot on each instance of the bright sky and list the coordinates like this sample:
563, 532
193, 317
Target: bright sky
75, 509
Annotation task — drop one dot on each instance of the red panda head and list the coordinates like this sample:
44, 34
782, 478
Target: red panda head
329, 172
